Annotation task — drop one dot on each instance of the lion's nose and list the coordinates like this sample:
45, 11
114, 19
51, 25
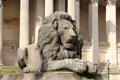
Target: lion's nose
73, 36
72, 33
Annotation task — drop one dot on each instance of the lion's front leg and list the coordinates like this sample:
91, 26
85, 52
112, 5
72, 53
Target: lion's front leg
75, 65
72, 64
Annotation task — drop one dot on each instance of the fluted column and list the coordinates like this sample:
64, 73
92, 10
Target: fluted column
24, 23
48, 7
111, 31
93, 28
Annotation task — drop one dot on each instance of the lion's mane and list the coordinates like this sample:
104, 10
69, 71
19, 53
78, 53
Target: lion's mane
49, 42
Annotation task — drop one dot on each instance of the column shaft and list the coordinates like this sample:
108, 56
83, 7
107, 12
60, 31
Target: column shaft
24, 23
93, 26
111, 33
71, 8
48, 7
1, 28
74, 11
77, 14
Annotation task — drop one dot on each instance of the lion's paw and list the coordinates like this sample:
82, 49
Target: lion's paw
91, 68
26, 69
29, 69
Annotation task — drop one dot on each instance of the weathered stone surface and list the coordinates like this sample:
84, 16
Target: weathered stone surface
63, 76
75, 65
60, 75
13, 77
46, 76
29, 59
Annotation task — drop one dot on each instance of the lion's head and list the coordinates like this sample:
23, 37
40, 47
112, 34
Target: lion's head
58, 37
67, 33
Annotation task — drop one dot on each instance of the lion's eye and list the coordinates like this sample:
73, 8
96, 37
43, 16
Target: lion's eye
65, 28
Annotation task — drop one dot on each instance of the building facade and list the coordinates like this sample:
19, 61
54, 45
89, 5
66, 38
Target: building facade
97, 20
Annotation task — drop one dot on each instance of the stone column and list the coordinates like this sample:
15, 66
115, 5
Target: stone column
24, 23
77, 14
93, 56
61, 5
111, 31
1, 28
74, 11
71, 8
38, 25
48, 7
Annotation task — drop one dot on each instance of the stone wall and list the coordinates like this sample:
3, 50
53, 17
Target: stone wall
10, 31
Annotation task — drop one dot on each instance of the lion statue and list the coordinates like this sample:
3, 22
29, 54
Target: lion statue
59, 46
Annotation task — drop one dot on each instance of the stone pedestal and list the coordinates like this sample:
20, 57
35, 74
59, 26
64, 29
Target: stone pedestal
48, 76
59, 76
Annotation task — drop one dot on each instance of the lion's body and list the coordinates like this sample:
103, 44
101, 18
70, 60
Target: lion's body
29, 59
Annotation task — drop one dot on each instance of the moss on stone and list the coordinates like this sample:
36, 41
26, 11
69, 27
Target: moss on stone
10, 70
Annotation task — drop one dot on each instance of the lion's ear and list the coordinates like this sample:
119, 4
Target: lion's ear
55, 24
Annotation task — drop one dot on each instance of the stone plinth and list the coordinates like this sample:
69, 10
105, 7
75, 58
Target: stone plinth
46, 76
59, 76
